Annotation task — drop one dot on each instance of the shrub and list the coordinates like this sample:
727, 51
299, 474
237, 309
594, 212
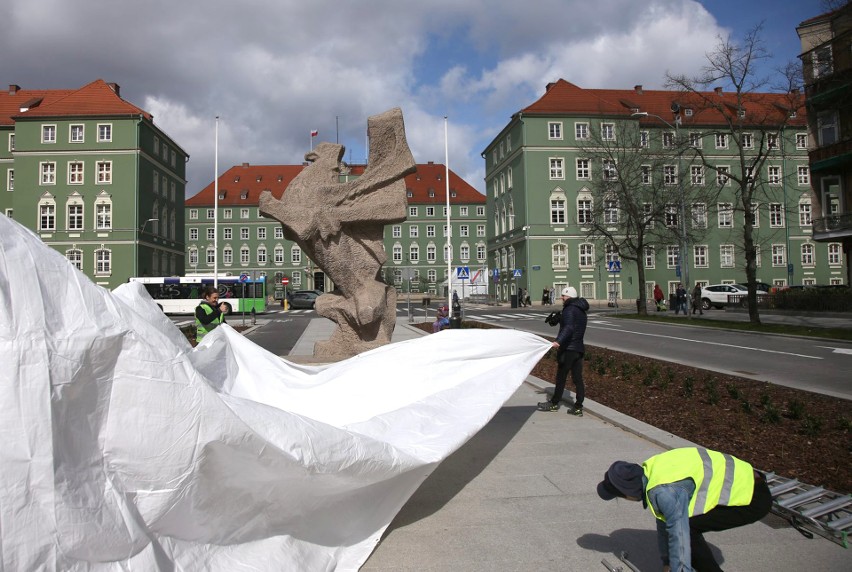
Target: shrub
688, 385
746, 404
733, 391
796, 409
811, 426
771, 414
712, 389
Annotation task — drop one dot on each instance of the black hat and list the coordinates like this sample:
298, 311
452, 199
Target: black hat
622, 479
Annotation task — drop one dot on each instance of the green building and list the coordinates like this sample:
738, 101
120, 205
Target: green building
93, 176
540, 191
252, 244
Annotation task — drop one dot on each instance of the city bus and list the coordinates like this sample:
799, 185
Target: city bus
182, 294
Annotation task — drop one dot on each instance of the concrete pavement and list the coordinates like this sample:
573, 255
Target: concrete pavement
520, 495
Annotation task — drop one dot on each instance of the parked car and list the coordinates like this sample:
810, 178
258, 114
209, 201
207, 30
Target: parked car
716, 295
304, 299
761, 286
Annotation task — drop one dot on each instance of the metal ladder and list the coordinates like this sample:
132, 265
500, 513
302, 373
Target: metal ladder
812, 510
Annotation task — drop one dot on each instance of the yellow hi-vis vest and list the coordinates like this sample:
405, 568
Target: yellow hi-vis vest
720, 479
200, 329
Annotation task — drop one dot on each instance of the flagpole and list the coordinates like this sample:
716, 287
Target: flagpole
216, 208
449, 228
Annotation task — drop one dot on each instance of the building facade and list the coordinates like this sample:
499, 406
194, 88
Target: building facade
255, 245
540, 192
827, 68
93, 176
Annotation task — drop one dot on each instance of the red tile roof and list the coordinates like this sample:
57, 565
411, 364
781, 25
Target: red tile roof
563, 97
251, 180
95, 99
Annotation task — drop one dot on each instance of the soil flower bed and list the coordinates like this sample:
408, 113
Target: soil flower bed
797, 434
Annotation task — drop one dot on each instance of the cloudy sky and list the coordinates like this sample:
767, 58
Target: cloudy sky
273, 70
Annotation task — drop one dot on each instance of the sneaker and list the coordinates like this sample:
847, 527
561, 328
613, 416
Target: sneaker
548, 406
578, 411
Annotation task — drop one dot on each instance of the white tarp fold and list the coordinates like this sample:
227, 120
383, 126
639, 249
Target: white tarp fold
126, 449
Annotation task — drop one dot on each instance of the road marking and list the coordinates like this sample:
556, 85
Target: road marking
846, 351
714, 343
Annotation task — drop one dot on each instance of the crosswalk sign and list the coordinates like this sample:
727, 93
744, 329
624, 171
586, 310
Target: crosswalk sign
516, 273
463, 272
613, 266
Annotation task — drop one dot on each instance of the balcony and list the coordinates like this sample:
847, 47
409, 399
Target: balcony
829, 156
832, 227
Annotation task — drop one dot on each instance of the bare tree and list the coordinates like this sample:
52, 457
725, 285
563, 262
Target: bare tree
747, 119
634, 203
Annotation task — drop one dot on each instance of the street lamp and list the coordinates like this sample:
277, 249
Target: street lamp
528, 266
684, 263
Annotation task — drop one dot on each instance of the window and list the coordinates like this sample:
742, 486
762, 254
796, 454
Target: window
480, 252
156, 145
261, 233
414, 253
772, 141
431, 252
397, 252
244, 233
753, 215
609, 170
211, 234
699, 256
509, 177
757, 255
480, 230
227, 233
648, 215
779, 255
554, 130
48, 133
805, 213
608, 131
583, 169
75, 173
803, 174
464, 230
723, 177
193, 256
726, 256
584, 211
227, 256
193, 214
776, 215
48, 173
822, 61
807, 254
396, 231
827, 127
696, 173
104, 169
76, 133
413, 231
75, 257
668, 139
643, 139
104, 132
726, 215
801, 141
103, 214
430, 231
834, 253
11, 142
669, 175
556, 168
480, 211
103, 261
672, 256
295, 254
695, 140
279, 233
244, 213
699, 215
75, 215
10, 180
650, 257
261, 254
193, 233
610, 211
47, 215
747, 141
645, 174
587, 255
245, 255
211, 214
278, 254
721, 140
671, 216
559, 255
774, 175
557, 210
581, 130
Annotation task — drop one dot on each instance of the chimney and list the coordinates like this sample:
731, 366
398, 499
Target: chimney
245, 165
116, 88
718, 90
548, 86
794, 91
431, 162
13, 89
638, 89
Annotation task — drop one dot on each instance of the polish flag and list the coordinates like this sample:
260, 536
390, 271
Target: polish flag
314, 133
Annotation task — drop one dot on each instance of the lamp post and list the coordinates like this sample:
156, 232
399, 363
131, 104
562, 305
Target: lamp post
527, 266
684, 263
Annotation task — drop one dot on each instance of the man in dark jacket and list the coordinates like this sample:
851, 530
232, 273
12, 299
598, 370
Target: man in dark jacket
569, 351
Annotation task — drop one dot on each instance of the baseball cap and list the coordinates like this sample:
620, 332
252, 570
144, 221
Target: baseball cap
622, 479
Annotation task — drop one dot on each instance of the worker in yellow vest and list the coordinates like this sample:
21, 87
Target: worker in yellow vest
209, 313
690, 491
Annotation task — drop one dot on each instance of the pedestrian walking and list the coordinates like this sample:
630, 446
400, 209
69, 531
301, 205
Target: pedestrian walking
696, 299
680, 299
569, 351
690, 491
658, 297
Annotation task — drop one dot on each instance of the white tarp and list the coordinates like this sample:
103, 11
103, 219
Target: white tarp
123, 448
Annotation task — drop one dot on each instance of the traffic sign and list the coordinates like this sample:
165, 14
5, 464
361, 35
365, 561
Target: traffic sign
244, 277
285, 281
463, 272
516, 273
613, 266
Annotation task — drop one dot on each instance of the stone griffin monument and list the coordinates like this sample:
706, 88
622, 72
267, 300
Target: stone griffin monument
341, 226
